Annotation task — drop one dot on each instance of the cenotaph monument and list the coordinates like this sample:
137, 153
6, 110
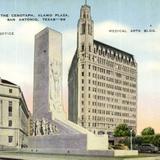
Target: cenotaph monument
47, 93
53, 133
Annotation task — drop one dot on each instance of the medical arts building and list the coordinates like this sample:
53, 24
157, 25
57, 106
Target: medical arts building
102, 82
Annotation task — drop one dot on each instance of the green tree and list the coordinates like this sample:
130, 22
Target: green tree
147, 138
122, 130
156, 140
147, 131
138, 140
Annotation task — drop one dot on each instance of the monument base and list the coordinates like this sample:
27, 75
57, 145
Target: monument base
69, 137
72, 139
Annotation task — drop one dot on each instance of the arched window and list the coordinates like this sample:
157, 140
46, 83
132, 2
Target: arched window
89, 48
83, 28
82, 47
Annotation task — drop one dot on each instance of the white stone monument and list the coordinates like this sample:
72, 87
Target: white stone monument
47, 94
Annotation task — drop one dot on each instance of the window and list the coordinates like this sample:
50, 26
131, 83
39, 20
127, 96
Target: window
10, 123
82, 73
10, 108
82, 47
10, 90
10, 139
82, 102
10, 111
83, 28
82, 66
89, 48
82, 109
94, 50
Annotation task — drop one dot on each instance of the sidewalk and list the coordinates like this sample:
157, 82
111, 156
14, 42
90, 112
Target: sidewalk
32, 156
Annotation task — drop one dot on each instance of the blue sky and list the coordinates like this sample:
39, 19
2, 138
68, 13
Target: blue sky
16, 56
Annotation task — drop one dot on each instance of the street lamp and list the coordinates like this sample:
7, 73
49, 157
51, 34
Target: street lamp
131, 131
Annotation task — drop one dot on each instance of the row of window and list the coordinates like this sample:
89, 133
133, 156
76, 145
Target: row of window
108, 72
103, 91
103, 84
104, 125
111, 93
111, 112
112, 66
125, 108
108, 119
98, 101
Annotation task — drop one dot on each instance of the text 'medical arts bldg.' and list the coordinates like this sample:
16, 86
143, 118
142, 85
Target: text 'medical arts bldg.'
102, 82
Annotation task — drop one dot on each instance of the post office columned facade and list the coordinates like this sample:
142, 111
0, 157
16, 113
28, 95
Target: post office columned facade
102, 82
14, 116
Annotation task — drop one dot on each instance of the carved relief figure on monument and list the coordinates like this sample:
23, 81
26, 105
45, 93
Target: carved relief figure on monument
34, 129
54, 128
43, 123
38, 127
50, 128
55, 85
43, 127
46, 128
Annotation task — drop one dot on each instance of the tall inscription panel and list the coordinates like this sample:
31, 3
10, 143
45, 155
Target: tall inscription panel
47, 94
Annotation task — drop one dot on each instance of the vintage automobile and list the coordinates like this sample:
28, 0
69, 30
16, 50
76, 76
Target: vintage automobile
148, 148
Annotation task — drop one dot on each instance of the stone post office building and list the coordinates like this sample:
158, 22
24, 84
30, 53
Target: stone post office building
14, 116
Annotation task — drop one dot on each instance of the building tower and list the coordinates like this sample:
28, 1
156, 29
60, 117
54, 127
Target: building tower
102, 82
85, 36
85, 31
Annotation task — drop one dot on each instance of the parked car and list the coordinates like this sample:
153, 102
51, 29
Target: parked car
148, 148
